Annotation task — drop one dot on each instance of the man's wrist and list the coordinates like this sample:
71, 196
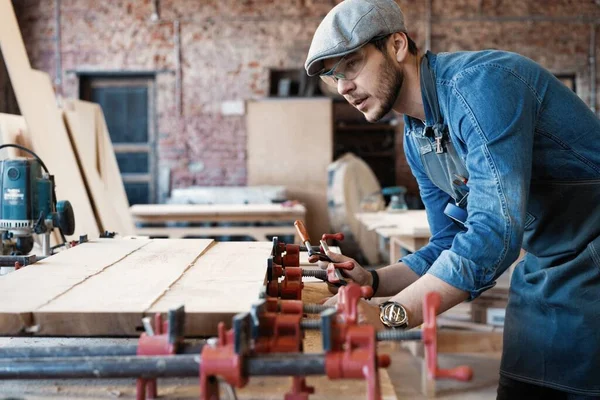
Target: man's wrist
374, 281
369, 279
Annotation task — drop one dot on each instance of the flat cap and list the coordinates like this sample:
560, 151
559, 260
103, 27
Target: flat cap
349, 26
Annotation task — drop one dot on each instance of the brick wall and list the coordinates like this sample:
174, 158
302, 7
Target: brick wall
227, 48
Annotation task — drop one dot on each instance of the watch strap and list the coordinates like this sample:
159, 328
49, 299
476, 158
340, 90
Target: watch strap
375, 282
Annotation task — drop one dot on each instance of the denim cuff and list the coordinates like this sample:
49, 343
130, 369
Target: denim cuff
417, 263
462, 273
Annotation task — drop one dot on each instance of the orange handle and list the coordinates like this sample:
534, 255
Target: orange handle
333, 236
302, 232
462, 373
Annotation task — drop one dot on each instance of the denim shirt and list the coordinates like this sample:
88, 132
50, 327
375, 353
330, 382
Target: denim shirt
532, 151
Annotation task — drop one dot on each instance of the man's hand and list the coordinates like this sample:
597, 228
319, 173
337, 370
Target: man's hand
358, 274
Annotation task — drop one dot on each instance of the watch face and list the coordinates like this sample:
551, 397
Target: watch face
393, 314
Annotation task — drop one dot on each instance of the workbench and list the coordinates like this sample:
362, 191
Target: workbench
259, 388
407, 229
211, 220
106, 286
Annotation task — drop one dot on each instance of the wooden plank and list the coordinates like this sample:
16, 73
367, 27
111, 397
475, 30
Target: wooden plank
290, 143
450, 341
80, 119
113, 302
28, 289
216, 212
47, 132
405, 223
258, 233
13, 129
226, 280
110, 173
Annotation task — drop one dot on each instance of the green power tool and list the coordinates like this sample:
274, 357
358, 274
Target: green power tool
28, 205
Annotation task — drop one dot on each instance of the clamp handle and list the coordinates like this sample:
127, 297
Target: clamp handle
333, 236
431, 304
350, 296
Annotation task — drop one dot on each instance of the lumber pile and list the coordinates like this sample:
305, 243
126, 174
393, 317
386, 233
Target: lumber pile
78, 153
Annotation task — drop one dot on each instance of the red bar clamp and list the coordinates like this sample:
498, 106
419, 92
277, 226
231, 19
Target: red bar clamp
351, 347
290, 288
221, 359
286, 255
163, 338
431, 304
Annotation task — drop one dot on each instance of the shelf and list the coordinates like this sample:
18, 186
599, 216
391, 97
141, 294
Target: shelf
369, 127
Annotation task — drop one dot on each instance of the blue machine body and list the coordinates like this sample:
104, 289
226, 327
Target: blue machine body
26, 191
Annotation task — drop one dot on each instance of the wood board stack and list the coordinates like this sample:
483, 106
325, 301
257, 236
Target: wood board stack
81, 158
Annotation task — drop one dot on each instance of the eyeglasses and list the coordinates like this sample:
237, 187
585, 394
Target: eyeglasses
348, 67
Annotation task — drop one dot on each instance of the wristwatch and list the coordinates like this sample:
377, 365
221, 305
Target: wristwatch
393, 315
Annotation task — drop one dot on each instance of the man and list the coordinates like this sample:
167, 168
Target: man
505, 157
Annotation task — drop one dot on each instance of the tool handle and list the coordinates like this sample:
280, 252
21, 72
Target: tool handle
333, 236
302, 232
462, 373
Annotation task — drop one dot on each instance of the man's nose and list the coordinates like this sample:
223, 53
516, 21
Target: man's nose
345, 86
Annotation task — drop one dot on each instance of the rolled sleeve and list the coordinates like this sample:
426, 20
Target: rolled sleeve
494, 113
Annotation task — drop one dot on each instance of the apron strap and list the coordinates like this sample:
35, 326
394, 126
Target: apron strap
439, 128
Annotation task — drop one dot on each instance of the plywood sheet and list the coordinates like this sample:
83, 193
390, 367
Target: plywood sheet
110, 174
81, 120
47, 132
290, 144
13, 129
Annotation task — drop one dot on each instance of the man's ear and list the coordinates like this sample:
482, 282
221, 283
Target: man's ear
400, 46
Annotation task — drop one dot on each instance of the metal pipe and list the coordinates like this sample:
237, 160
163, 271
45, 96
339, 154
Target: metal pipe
153, 367
84, 351
178, 78
46, 250
9, 261
428, 26
314, 248
398, 335
592, 60
310, 308
383, 335
57, 46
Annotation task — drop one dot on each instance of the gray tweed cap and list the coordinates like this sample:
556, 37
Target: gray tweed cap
349, 26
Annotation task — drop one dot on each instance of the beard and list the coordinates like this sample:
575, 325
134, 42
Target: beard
390, 83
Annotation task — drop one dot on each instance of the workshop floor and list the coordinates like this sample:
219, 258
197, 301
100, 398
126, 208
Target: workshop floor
404, 374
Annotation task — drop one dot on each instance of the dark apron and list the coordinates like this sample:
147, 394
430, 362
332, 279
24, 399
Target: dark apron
443, 165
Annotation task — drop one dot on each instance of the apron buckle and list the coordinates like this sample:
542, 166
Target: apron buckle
439, 147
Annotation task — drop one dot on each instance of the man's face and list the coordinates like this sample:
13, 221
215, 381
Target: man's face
375, 89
